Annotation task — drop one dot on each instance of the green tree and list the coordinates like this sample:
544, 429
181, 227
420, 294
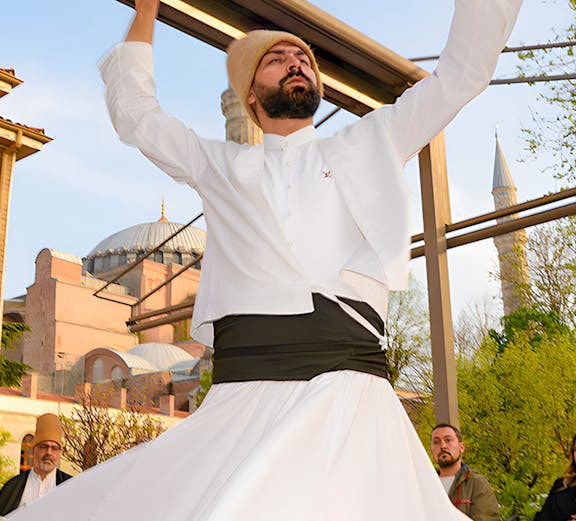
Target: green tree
11, 372
517, 413
205, 384
517, 410
555, 131
94, 432
7, 466
533, 323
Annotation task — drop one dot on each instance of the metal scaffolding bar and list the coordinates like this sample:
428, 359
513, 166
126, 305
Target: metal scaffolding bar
169, 279
533, 79
505, 227
521, 48
141, 259
505, 212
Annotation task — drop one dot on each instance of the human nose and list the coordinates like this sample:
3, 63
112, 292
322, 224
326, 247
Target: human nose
292, 62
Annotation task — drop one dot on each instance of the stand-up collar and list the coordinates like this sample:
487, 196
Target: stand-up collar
300, 137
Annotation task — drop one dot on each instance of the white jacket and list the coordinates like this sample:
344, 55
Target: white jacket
247, 266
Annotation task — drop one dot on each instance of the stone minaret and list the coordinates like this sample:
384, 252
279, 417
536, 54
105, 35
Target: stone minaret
239, 126
511, 247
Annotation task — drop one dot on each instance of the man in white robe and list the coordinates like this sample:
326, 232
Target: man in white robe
306, 236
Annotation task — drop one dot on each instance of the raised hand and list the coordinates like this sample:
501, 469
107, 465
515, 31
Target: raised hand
142, 27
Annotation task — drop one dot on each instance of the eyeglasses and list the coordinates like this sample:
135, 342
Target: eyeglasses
46, 447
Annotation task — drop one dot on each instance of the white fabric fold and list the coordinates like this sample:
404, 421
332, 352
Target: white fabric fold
337, 448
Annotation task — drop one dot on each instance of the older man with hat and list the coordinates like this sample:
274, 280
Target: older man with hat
306, 236
44, 475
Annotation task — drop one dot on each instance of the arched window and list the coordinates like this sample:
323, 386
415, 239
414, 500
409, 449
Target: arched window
116, 373
98, 371
26, 456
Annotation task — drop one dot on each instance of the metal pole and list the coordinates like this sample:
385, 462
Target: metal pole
141, 259
522, 48
505, 227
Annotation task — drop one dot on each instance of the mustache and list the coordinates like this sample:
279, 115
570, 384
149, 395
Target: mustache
291, 74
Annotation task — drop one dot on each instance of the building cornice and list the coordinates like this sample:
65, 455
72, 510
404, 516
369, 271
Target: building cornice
32, 140
8, 81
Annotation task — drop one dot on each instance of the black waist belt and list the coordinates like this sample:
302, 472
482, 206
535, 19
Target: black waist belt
297, 347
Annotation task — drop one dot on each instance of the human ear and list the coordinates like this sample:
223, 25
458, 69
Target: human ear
251, 96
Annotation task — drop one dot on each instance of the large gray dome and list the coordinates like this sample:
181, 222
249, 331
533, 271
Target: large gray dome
127, 245
144, 237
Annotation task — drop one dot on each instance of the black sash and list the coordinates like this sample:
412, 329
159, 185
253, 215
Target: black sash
297, 347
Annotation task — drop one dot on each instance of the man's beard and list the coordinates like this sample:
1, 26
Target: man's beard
443, 462
300, 102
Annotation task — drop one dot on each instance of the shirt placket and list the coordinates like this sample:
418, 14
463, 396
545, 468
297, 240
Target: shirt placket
42, 487
290, 197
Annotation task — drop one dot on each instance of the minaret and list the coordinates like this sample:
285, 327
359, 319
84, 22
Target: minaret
239, 127
514, 279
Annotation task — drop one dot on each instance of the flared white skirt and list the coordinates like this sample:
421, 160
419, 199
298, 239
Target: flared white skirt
339, 447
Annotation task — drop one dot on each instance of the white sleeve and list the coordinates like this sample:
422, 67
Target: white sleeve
128, 74
479, 32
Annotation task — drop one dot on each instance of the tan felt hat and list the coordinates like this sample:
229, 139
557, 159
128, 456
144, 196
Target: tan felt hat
48, 429
244, 56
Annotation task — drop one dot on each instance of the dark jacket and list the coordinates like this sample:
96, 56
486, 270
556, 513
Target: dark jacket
560, 503
472, 494
12, 491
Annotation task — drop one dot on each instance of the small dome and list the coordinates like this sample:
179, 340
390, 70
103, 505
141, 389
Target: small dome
136, 364
155, 357
161, 356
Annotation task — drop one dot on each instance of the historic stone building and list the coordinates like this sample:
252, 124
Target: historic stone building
68, 319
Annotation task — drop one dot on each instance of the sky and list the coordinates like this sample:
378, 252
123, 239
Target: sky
85, 185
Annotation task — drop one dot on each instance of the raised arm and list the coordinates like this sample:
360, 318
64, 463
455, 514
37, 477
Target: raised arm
128, 74
142, 26
479, 31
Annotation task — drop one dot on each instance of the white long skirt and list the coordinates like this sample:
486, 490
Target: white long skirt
337, 448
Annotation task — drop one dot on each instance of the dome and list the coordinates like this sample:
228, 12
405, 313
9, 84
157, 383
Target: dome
156, 357
162, 356
127, 245
144, 237
136, 364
